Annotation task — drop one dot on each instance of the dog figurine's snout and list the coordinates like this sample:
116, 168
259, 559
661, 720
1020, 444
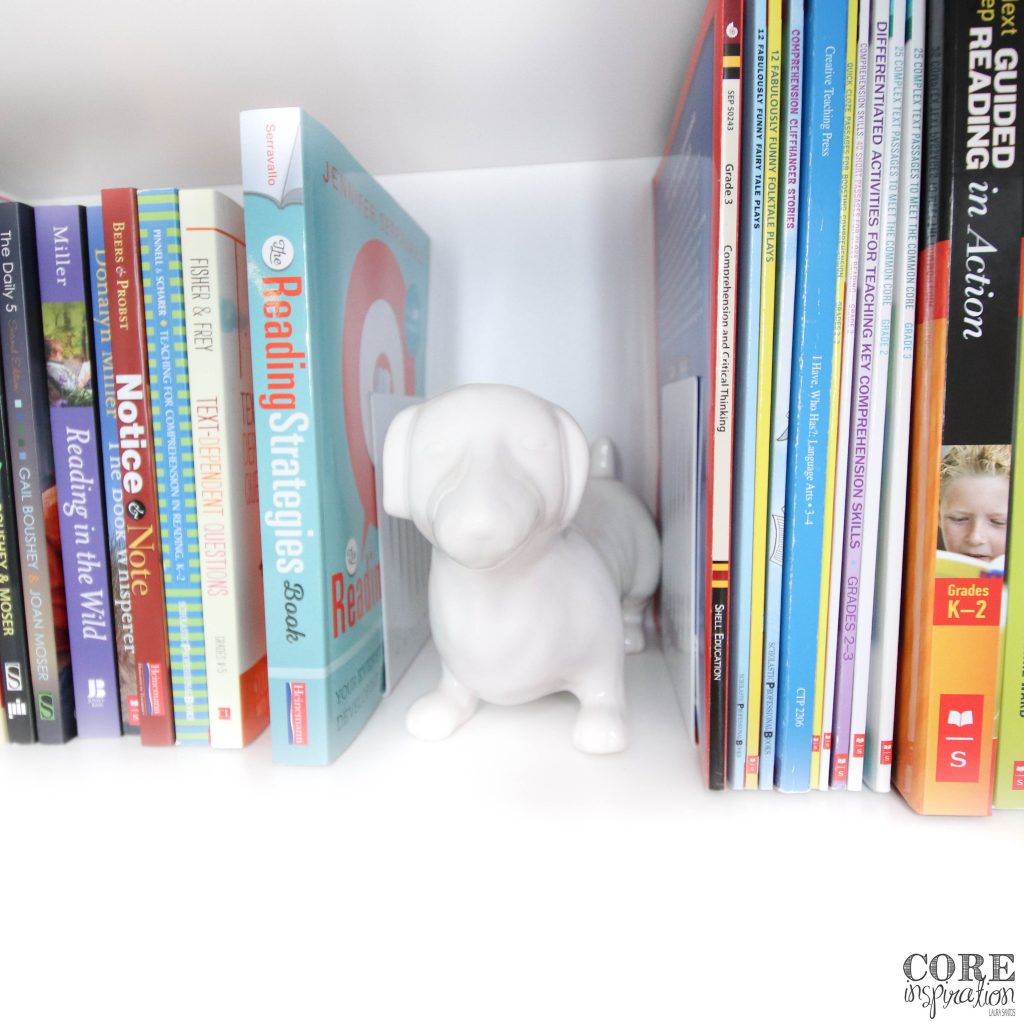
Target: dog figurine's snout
484, 519
523, 602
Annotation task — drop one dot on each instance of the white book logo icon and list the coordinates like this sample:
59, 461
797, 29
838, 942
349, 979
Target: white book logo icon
97, 689
961, 719
12, 674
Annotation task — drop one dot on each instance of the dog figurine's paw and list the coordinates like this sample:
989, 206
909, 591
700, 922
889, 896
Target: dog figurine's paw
600, 731
437, 715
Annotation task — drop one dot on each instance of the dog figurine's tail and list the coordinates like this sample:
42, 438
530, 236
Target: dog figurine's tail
604, 460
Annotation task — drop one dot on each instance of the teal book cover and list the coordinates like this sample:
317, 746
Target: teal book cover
338, 283
160, 246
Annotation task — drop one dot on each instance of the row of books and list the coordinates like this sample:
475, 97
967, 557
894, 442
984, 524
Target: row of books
189, 551
129, 508
839, 354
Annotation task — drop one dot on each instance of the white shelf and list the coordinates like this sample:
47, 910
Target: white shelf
496, 876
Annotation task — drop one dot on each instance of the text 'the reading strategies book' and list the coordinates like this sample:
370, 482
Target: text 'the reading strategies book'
338, 276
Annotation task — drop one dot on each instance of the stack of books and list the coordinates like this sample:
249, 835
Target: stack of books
188, 549
838, 221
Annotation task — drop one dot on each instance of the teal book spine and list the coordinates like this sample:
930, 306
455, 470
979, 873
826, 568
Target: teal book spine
337, 296
160, 246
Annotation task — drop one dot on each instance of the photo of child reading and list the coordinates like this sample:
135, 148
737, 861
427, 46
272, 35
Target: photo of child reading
974, 501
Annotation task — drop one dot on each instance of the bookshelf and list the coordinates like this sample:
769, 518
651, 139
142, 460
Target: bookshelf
500, 875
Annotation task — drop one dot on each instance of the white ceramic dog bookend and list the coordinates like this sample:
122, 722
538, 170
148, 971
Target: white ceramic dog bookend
541, 570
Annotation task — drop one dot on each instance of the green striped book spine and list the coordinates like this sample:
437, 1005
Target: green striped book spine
160, 244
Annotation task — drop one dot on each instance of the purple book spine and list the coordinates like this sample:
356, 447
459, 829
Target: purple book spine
866, 378
67, 330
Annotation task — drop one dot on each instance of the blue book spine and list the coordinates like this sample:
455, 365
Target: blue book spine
110, 460
337, 293
789, 221
163, 290
822, 160
744, 455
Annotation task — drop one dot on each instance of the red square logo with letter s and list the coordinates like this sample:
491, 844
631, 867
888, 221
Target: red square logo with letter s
959, 753
1017, 782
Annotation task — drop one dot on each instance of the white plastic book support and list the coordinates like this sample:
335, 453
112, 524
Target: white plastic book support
543, 562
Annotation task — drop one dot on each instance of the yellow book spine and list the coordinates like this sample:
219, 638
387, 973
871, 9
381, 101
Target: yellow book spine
837, 358
766, 345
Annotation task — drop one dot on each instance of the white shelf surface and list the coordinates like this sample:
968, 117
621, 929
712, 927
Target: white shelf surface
496, 876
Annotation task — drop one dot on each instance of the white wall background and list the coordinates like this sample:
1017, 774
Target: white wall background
543, 277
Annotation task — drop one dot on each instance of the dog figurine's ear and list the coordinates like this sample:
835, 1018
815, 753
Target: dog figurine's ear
395, 467
576, 462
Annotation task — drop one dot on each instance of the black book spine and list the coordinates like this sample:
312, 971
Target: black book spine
983, 215
15, 673
32, 476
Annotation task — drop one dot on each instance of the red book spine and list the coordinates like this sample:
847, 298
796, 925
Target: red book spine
138, 472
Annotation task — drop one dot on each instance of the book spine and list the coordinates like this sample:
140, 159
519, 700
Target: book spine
138, 473
682, 191
822, 209
224, 441
891, 159
289, 484
824, 729
327, 249
726, 153
67, 321
864, 384
963, 428
885, 633
782, 365
160, 251
766, 344
832, 430
747, 357
926, 416
15, 669
1008, 790
24, 367
110, 446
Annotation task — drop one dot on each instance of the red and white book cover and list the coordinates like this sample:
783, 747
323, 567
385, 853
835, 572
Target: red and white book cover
138, 476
